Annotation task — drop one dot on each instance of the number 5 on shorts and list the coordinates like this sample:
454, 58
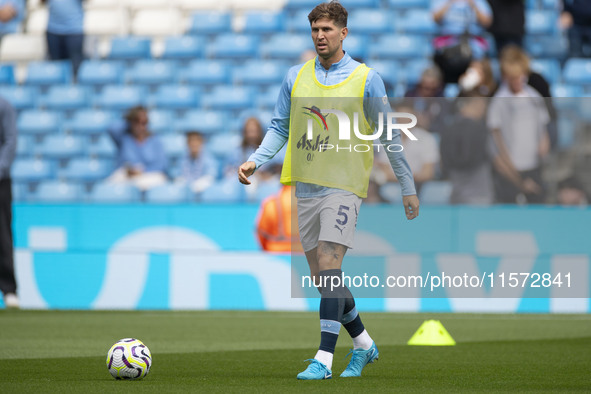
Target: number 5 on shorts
342, 212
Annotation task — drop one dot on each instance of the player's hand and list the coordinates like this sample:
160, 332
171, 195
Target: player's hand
411, 206
245, 170
530, 186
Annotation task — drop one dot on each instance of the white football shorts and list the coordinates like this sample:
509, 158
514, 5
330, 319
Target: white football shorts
329, 218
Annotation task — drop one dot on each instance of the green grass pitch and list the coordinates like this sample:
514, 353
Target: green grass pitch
65, 351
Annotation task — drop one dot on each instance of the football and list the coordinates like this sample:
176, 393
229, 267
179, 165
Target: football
129, 359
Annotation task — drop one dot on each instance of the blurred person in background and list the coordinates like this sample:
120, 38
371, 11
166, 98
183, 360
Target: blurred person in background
141, 157
464, 156
65, 31
514, 54
576, 18
12, 13
429, 107
422, 155
274, 223
478, 77
252, 136
508, 22
8, 136
462, 24
518, 121
572, 193
199, 169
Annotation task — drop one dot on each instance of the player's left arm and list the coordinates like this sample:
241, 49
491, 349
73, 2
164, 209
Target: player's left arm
376, 103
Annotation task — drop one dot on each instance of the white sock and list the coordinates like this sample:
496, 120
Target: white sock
362, 341
325, 358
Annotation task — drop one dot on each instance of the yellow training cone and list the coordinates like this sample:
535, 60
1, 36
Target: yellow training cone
431, 333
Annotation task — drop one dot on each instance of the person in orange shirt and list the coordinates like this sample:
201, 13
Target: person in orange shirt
274, 227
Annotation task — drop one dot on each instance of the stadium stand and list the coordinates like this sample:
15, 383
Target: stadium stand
204, 65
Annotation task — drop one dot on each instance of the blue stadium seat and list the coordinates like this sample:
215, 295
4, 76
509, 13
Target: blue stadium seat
286, 46
120, 97
356, 46
541, 22
566, 132
38, 122
376, 21
66, 97
186, 47
353, 4
269, 97
90, 121
49, 73
436, 193
390, 70
408, 4
175, 145
61, 146
263, 22
176, 97
24, 146
400, 47
451, 90
100, 72
21, 97
207, 122
298, 22
210, 22
7, 74
152, 72
301, 4
161, 121
206, 72
391, 192
114, 193
224, 191
229, 97
417, 21
555, 47
414, 68
260, 72
551, 4
233, 46
577, 71
549, 68
87, 170
19, 192
102, 148
170, 193
32, 170
57, 191
559, 91
224, 144
130, 48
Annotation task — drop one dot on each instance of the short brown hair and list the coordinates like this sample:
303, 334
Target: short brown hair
512, 56
333, 11
194, 134
133, 114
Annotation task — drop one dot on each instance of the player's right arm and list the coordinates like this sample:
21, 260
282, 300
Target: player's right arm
276, 135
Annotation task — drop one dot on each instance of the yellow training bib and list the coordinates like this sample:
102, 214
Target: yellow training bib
334, 156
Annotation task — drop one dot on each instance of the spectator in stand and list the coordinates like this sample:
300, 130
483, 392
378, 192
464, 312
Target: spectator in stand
508, 22
12, 13
422, 155
576, 17
65, 31
518, 121
571, 192
252, 136
199, 169
464, 156
141, 157
427, 98
478, 77
8, 137
462, 24
512, 53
